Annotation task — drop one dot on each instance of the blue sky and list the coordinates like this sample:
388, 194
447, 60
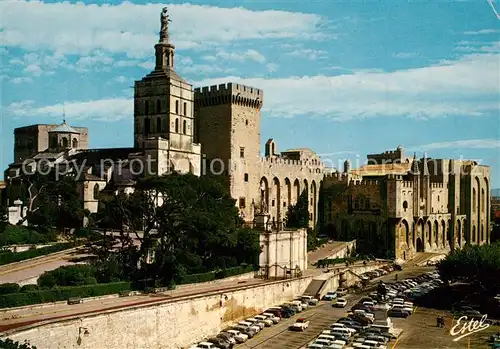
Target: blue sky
344, 78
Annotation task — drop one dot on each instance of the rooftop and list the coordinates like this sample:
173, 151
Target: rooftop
64, 128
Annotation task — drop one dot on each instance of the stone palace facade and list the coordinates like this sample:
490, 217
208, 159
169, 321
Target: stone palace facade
216, 131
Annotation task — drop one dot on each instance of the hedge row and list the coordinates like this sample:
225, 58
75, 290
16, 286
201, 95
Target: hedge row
7, 257
216, 275
61, 294
332, 261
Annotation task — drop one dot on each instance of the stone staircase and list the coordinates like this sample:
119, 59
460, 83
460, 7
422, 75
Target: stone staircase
421, 258
314, 287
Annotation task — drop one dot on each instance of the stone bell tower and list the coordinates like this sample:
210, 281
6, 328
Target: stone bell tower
164, 112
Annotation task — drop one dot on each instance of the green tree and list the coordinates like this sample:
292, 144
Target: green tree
4, 219
297, 215
473, 264
10, 344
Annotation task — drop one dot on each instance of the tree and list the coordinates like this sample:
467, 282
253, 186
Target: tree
184, 224
473, 264
297, 215
10, 344
4, 219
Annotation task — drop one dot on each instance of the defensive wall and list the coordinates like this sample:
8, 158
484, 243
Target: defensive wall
170, 324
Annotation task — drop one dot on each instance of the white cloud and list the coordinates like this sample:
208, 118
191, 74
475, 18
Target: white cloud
465, 87
482, 32
33, 69
308, 53
120, 79
131, 28
21, 80
461, 144
105, 109
147, 65
405, 55
251, 55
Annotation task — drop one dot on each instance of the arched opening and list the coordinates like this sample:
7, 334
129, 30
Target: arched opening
158, 125
420, 245
96, 191
296, 190
158, 106
184, 126
75, 143
264, 192
53, 142
436, 233
276, 200
405, 232
474, 199
177, 107
146, 108
176, 125
405, 205
314, 202
147, 126
65, 142
474, 234
443, 233
482, 200
288, 187
450, 235
184, 109
428, 232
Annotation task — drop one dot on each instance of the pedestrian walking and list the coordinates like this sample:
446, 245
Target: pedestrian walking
442, 321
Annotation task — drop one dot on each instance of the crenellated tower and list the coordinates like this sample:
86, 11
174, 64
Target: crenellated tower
228, 120
415, 179
425, 187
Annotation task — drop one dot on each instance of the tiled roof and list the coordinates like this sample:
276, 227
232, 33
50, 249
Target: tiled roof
63, 128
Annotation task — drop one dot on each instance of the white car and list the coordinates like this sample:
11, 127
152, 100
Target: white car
264, 319
256, 322
205, 345
403, 307
342, 328
310, 300
329, 296
238, 336
341, 303
275, 319
246, 324
300, 325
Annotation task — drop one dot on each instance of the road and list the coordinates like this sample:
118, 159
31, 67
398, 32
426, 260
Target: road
320, 317
28, 271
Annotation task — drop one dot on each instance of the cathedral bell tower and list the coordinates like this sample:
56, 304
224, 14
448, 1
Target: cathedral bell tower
164, 112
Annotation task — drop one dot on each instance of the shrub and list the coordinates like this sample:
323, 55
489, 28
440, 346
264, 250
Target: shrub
61, 294
11, 257
10, 344
29, 288
9, 288
20, 235
68, 275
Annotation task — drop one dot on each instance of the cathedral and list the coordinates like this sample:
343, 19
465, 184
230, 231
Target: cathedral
396, 204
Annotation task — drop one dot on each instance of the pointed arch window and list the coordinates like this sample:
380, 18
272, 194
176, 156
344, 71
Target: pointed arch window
96, 191
75, 143
177, 107
176, 125
184, 126
158, 125
185, 109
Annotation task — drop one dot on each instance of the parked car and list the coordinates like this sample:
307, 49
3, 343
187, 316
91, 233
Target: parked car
275, 319
220, 343
310, 300
300, 325
246, 330
329, 296
238, 336
340, 303
341, 292
264, 319
398, 313
228, 337
204, 345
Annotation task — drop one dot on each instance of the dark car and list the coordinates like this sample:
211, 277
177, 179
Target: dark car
221, 343
398, 313
227, 337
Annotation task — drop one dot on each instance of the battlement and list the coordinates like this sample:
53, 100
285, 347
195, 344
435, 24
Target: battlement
396, 177
436, 185
229, 93
355, 182
407, 184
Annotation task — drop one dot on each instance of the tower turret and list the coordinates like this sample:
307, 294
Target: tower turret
347, 166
